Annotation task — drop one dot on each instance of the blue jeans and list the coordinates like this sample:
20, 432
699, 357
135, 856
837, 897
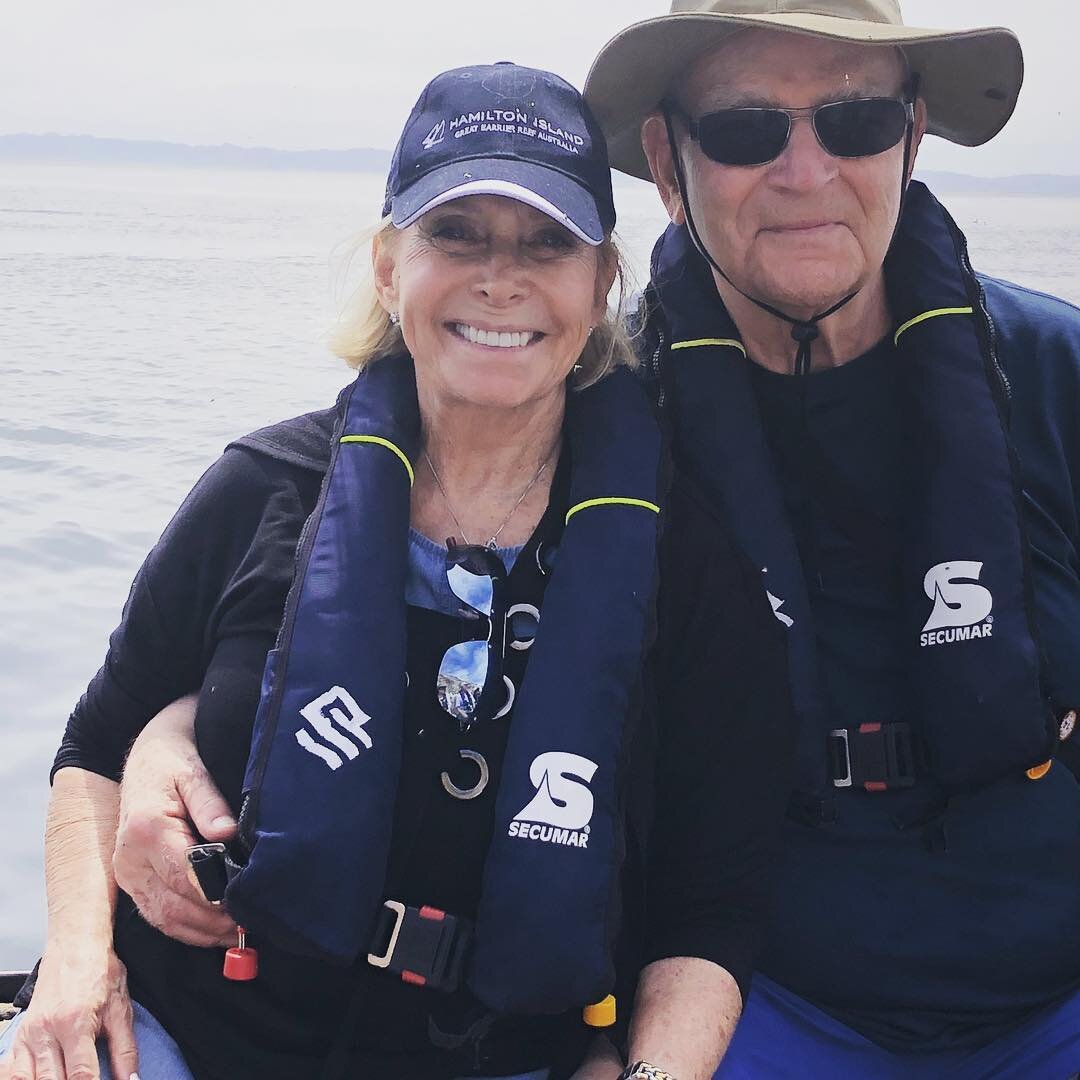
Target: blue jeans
782, 1036
160, 1057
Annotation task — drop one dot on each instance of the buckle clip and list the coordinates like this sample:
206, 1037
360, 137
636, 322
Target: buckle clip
424, 945
876, 757
214, 869
844, 760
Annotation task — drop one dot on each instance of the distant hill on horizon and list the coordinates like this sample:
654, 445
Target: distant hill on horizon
91, 150
1022, 184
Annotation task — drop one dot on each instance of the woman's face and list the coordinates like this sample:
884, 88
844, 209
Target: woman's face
496, 299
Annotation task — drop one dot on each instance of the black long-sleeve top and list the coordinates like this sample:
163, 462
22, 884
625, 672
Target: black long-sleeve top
204, 610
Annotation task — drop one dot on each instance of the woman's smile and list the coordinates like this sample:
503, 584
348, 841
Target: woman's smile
494, 338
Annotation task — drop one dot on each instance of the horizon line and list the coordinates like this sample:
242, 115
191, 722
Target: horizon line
372, 151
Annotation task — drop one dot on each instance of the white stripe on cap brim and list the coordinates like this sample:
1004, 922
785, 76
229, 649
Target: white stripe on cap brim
508, 190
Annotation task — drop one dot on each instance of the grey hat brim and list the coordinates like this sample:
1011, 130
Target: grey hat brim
969, 79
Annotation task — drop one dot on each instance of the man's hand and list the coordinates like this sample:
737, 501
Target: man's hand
165, 798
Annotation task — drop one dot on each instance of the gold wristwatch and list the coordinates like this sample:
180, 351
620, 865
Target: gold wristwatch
642, 1070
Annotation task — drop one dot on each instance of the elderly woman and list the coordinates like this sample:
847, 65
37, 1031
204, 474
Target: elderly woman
483, 788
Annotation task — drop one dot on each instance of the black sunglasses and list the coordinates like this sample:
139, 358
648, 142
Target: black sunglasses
858, 127
470, 682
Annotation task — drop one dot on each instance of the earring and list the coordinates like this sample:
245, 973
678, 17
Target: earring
395, 318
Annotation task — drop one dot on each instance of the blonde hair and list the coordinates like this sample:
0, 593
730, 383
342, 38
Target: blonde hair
364, 333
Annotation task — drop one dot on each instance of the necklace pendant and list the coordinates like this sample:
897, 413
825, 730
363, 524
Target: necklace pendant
490, 545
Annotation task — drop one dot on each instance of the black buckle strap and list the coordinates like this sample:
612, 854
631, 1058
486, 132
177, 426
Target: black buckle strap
875, 757
424, 945
811, 811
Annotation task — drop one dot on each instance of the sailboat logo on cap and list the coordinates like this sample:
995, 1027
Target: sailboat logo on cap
435, 135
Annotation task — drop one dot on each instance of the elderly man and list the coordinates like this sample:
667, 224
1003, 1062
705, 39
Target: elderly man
895, 440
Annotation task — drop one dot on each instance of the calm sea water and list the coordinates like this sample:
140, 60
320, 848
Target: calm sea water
147, 317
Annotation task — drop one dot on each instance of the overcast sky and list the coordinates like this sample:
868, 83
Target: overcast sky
343, 73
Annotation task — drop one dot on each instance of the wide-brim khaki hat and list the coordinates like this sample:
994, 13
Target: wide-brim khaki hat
969, 79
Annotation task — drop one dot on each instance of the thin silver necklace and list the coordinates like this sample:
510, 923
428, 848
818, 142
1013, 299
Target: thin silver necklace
513, 509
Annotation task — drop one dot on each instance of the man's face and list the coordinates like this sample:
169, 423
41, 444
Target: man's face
804, 230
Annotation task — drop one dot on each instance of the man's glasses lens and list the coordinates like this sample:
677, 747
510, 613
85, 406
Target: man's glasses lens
860, 128
744, 136
848, 129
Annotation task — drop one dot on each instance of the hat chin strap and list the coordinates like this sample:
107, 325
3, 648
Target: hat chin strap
804, 331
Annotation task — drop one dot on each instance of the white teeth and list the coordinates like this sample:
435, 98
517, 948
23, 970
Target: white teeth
501, 340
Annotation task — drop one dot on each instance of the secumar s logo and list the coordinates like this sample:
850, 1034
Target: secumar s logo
561, 809
961, 605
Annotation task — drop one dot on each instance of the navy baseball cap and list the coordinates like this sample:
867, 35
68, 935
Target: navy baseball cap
501, 129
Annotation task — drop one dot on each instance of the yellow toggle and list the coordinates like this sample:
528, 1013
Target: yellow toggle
930, 315
600, 1015
1037, 772
588, 503
729, 342
389, 446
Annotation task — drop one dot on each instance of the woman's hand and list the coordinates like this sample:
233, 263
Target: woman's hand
81, 995
81, 989
165, 798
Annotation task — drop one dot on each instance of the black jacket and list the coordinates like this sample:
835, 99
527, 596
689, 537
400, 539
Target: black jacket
202, 613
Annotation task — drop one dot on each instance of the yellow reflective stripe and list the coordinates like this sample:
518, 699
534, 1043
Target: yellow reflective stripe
389, 446
730, 342
611, 502
931, 315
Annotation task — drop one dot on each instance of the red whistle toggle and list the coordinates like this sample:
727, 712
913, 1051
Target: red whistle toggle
241, 963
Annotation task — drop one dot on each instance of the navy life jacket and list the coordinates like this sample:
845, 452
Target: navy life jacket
974, 659
319, 792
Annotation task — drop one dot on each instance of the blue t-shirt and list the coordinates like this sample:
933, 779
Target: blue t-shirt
426, 585
916, 950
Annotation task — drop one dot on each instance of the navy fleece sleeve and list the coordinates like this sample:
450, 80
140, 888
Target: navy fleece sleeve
171, 620
726, 732
1039, 348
